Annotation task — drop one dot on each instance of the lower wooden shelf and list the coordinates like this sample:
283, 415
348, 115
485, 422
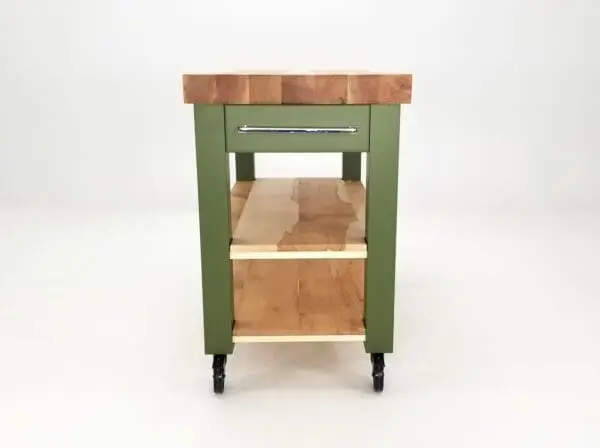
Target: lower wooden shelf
298, 300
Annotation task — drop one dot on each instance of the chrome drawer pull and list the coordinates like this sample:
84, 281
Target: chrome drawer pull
245, 129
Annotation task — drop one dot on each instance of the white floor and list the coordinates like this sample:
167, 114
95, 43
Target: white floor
498, 335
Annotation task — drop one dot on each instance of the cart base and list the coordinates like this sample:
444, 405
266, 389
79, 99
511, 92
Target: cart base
220, 361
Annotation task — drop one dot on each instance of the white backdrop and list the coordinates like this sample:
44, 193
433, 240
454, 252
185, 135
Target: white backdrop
497, 313
504, 114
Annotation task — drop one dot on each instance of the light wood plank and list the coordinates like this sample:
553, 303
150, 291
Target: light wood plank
299, 255
285, 298
298, 218
300, 338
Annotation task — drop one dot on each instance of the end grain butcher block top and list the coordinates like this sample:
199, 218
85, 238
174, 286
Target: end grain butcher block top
309, 88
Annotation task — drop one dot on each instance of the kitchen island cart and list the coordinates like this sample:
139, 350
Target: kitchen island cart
297, 259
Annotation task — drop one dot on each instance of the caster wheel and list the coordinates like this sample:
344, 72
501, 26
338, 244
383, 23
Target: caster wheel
218, 366
218, 385
378, 364
378, 383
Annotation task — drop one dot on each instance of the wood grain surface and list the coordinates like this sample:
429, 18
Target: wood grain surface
298, 218
298, 298
309, 88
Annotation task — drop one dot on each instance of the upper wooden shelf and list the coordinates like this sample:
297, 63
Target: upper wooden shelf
298, 219
309, 88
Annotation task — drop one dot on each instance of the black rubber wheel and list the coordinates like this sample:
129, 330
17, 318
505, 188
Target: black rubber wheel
218, 366
378, 383
218, 385
378, 363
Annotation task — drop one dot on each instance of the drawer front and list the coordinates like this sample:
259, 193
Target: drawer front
298, 128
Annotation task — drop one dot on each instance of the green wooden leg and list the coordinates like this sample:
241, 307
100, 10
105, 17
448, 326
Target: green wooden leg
381, 207
215, 227
244, 166
351, 166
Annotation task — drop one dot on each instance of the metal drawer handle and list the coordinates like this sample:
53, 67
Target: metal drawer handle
245, 129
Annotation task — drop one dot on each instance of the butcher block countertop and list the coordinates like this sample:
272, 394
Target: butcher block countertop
297, 88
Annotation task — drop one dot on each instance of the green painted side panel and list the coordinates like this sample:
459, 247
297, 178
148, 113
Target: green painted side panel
244, 166
215, 227
351, 166
297, 116
382, 183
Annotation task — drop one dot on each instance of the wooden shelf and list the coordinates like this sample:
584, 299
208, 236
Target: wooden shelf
298, 300
305, 218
